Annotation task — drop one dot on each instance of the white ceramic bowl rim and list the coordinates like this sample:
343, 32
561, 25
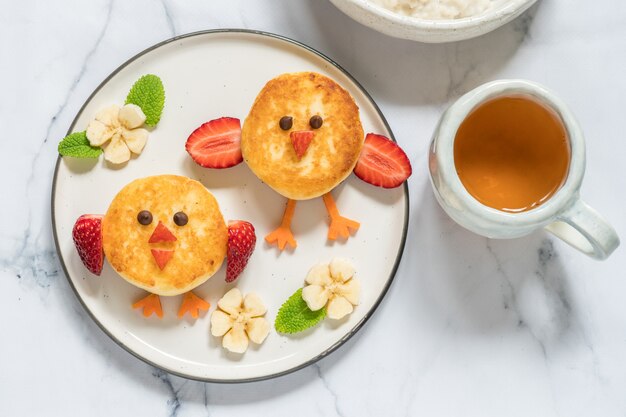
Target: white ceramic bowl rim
510, 7
565, 196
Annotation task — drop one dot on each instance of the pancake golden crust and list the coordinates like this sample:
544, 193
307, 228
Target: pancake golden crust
334, 150
200, 245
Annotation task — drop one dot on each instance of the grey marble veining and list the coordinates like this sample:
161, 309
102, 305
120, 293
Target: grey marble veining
471, 326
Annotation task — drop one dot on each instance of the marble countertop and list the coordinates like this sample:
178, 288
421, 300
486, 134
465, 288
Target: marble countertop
471, 326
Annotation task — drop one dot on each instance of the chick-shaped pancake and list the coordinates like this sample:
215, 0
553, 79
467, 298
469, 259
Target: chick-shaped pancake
303, 135
165, 234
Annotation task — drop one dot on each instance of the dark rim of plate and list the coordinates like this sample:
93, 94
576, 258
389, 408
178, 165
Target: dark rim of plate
358, 325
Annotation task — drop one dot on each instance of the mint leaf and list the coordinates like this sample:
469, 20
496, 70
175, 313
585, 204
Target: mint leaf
295, 316
77, 145
149, 94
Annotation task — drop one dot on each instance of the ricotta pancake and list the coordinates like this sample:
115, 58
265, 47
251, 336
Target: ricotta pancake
297, 171
165, 234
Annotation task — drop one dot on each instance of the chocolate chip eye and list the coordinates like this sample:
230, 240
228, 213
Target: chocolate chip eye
286, 122
316, 122
180, 218
144, 217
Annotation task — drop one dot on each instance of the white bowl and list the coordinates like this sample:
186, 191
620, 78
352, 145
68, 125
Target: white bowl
430, 30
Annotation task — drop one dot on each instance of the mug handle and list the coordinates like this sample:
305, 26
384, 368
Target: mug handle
583, 228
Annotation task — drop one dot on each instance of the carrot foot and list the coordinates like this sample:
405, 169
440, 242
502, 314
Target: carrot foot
341, 226
150, 304
192, 304
281, 237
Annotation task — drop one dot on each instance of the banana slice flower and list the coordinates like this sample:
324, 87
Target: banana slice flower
121, 128
334, 286
238, 319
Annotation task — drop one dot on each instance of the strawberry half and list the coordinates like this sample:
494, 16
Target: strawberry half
301, 141
382, 162
216, 144
87, 234
241, 241
162, 257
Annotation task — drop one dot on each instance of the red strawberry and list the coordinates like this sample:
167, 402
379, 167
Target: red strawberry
87, 234
241, 241
301, 141
162, 257
161, 234
216, 144
382, 162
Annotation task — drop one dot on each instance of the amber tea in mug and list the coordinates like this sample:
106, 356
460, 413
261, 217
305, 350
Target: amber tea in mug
512, 153
507, 159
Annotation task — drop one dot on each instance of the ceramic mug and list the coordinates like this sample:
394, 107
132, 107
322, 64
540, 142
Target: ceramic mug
564, 214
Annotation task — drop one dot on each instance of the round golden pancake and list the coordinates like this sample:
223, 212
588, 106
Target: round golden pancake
331, 155
200, 245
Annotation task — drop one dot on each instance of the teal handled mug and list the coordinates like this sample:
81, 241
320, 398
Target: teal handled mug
562, 213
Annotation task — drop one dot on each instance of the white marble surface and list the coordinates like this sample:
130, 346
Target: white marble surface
470, 327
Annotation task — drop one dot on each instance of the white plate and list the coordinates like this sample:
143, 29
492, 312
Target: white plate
209, 75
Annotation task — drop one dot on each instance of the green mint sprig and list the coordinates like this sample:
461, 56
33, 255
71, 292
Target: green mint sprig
295, 316
77, 145
149, 94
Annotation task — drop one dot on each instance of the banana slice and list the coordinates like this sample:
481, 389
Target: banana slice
319, 275
351, 291
236, 339
341, 269
135, 139
131, 116
98, 133
257, 329
220, 323
315, 296
253, 306
109, 115
338, 308
231, 302
116, 152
